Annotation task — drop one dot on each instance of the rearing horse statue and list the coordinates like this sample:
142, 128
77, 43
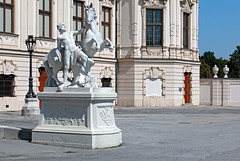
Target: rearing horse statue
68, 57
92, 41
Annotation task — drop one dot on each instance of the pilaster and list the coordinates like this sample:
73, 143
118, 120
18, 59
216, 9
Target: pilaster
226, 92
135, 27
173, 9
217, 92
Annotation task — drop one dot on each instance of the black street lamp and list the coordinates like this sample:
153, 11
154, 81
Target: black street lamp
30, 42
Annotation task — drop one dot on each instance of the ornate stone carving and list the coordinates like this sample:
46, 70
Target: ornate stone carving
7, 67
108, 2
172, 29
134, 28
154, 73
187, 69
153, 52
107, 72
45, 44
8, 39
154, 3
225, 71
177, 30
215, 71
40, 62
194, 33
106, 114
65, 116
80, 56
66, 121
186, 5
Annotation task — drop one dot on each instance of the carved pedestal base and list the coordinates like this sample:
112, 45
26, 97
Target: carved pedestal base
31, 107
77, 117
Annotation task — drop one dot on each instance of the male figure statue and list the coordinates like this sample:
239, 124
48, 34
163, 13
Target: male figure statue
71, 53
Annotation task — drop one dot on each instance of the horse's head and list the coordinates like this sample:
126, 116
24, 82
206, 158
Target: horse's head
90, 14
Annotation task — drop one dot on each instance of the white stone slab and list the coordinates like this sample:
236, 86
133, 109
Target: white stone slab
153, 87
235, 93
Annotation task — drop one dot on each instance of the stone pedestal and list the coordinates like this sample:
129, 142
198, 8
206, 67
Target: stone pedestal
77, 117
31, 107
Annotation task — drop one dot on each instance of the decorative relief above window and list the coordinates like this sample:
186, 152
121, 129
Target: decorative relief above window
186, 5
154, 76
107, 72
109, 3
187, 69
154, 3
7, 67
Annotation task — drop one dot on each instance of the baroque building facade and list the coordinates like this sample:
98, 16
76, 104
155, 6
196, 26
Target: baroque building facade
155, 62
158, 52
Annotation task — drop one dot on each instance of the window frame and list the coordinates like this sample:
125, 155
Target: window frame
155, 24
186, 28
50, 18
104, 23
4, 4
11, 78
106, 82
79, 18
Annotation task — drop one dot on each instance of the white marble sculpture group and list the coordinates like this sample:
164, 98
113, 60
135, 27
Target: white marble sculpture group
68, 57
77, 117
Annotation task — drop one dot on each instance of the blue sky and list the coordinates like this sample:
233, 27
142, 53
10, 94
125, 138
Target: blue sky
219, 26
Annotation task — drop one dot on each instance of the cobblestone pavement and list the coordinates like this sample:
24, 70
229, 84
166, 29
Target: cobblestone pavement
195, 133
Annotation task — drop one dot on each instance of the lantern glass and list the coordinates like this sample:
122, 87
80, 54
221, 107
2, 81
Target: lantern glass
30, 42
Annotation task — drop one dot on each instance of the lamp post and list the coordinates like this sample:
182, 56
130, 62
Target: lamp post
30, 42
31, 106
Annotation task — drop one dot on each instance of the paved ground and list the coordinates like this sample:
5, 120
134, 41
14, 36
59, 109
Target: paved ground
163, 134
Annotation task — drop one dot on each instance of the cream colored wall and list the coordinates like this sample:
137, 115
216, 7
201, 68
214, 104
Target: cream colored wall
131, 82
221, 92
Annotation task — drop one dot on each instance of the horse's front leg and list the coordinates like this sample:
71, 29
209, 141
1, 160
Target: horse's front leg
105, 43
91, 42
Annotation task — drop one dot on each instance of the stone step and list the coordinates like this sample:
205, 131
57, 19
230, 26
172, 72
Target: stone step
15, 133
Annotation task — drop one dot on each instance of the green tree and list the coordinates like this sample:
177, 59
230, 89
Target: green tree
208, 60
234, 64
205, 70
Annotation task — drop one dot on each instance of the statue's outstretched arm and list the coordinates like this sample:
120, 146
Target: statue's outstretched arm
79, 31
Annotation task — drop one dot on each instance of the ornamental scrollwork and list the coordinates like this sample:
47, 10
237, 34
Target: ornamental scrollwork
154, 3
7, 67
107, 115
108, 2
66, 121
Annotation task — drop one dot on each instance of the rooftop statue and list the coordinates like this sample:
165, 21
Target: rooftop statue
68, 57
